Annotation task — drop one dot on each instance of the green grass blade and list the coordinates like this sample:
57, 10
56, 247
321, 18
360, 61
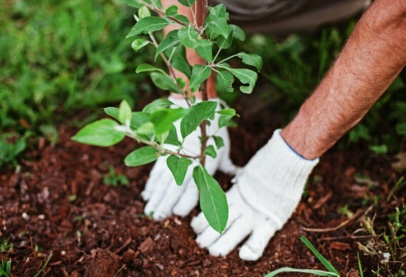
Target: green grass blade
308, 271
2, 272
8, 267
323, 260
361, 272
43, 267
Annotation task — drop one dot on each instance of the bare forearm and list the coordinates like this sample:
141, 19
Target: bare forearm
373, 56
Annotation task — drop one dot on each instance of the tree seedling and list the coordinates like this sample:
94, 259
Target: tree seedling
154, 125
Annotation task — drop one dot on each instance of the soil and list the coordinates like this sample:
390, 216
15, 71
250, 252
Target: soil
57, 203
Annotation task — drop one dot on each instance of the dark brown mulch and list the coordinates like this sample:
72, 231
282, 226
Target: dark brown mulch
57, 203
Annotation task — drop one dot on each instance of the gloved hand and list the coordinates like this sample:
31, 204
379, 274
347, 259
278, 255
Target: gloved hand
163, 195
260, 202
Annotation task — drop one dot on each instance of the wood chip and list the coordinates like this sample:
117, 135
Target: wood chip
342, 246
146, 246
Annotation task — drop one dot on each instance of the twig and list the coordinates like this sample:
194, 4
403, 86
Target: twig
343, 224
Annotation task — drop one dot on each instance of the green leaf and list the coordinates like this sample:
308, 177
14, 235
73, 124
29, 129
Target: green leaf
227, 111
216, 22
155, 3
218, 141
215, 28
323, 260
164, 118
147, 25
213, 201
210, 151
141, 156
158, 104
401, 128
132, 3
308, 271
251, 59
172, 10
225, 80
226, 121
204, 50
143, 12
233, 32
187, 3
178, 167
139, 43
195, 116
170, 41
379, 149
124, 112
165, 82
148, 68
138, 119
238, 33
100, 133
172, 137
180, 62
188, 37
199, 74
147, 128
246, 76
181, 18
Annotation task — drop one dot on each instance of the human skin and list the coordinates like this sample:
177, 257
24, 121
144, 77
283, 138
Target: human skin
373, 56
191, 55
371, 59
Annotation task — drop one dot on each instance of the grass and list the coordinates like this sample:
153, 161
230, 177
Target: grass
331, 271
58, 58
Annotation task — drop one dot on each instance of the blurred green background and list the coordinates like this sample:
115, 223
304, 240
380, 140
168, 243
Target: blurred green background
61, 61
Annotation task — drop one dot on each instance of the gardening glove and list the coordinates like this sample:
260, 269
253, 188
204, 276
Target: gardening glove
263, 198
163, 195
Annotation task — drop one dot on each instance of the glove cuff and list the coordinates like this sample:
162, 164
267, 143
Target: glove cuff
276, 175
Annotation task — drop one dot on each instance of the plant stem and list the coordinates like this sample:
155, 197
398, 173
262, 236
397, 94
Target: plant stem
203, 90
159, 147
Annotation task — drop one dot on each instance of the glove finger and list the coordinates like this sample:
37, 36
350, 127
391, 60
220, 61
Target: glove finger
232, 237
158, 193
169, 200
199, 223
254, 247
188, 200
227, 166
208, 236
155, 178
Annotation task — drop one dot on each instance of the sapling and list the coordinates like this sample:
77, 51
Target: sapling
161, 126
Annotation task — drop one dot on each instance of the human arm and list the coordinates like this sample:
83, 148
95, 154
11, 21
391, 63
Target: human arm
269, 188
372, 58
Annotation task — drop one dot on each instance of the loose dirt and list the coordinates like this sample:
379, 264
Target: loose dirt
57, 204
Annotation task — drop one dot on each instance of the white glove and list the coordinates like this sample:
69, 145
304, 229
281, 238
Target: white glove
264, 197
164, 196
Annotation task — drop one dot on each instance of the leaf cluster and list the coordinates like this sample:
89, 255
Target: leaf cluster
163, 127
207, 40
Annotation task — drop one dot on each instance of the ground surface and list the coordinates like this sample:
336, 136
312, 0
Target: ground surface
58, 204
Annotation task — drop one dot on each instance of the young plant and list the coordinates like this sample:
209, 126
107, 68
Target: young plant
156, 125
114, 179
